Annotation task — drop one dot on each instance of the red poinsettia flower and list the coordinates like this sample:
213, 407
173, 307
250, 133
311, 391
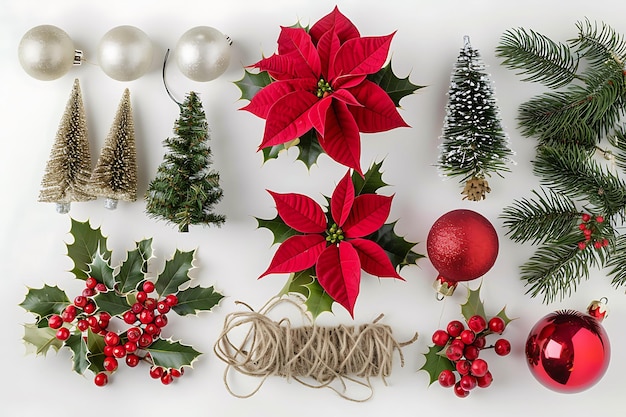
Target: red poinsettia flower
320, 82
335, 245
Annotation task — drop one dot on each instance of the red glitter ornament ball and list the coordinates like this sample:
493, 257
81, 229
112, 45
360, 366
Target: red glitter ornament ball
568, 351
462, 245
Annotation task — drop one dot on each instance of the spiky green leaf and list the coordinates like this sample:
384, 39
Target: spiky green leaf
171, 354
95, 348
40, 340
112, 302
45, 301
134, 269
473, 305
397, 248
251, 83
102, 271
305, 284
435, 363
87, 243
397, 88
195, 299
279, 229
309, 148
175, 273
77, 344
370, 182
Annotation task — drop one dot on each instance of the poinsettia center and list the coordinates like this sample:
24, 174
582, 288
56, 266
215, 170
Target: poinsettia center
323, 88
334, 234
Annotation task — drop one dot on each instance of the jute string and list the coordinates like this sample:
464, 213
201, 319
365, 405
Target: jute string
307, 352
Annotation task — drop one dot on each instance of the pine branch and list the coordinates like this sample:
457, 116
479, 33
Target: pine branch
556, 268
597, 44
618, 141
572, 172
617, 261
547, 217
537, 57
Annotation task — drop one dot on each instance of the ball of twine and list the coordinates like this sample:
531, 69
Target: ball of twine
315, 356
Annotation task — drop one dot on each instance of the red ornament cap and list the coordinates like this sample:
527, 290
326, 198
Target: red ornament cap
597, 309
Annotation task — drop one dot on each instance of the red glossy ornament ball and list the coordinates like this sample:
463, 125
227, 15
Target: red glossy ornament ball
462, 245
568, 351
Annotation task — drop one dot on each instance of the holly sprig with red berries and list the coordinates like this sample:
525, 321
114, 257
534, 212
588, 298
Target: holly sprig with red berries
455, 358
120, 313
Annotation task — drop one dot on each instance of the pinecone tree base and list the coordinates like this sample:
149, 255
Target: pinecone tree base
476, 189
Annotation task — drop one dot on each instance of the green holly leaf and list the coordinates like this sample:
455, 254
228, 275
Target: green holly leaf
134, 269
102, 271
77, 344
87, 243
371, 181
474, 305
95, 349
175, 273
309, 148
398, 249
45, 301
279, 229
503, 316
39, 340
435, 363
305, 284
396, 88
251, 83
171, 354
272, 152
195, 299
112, 302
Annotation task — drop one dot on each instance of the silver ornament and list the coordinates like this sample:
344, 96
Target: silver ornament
46, 53
125, 53
203, 53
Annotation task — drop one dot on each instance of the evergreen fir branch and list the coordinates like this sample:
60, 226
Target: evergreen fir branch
618, 140
538, 58
555, 118
557, 268
572, 172
617, 262
546, 217
599, 44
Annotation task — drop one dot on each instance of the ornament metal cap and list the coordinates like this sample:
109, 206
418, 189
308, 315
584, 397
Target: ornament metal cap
597, 309
444, 287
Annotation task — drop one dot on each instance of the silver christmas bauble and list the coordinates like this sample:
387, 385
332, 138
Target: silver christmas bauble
202, 53
46, 52
125, 53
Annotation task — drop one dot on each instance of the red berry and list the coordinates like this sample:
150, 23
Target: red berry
119, 351
175, 372
107, 350
459, 391
141, 296
150, 304
497, 325
161, 321
597, 244
582, 226
110, 363
586, 217
468, 336
133, 334
130, 347
55, 321
446, 378
152, 329
454, 353
477, 323
166, 378
111, 339
480, 342
471, 352
148, 286
132, 360
129, 317
88, 292
479, 367
82, 325
156, 372
136, 308
101, 379
458, 343
69, 314
100, 287
599, 219
146, 316
90, 307
63, 333
485, 380
163, 307
502, 347
171, 300
145, 340
455, 328
582, 245
80, 301
91, 283
463, 367
468, 382
440, 337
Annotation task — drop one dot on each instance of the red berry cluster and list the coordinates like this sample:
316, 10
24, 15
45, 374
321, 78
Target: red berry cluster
592, 231
147, 316
463, 346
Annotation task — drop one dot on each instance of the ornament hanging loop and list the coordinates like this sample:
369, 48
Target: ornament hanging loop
167, 53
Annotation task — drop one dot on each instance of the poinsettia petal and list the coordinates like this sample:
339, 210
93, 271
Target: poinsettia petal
378, 113
374, 259
335, 20
288, 118
297, 43
295, 254
346, 97
342, 199
327, 48
364, 55
339, 273
317, 114
266, 97
300, 212
348, 81
369, 213
341, 140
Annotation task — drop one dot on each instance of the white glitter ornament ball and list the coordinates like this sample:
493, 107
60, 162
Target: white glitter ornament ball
46, 52
203, 53
125, 53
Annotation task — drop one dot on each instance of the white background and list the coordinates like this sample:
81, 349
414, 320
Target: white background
426, 45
